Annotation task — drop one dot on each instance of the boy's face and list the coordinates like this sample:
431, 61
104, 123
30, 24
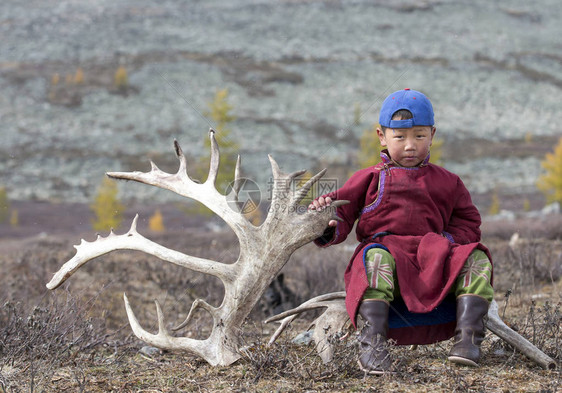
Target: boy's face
407, 146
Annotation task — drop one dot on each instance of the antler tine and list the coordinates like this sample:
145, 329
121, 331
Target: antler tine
278, 176
284, 323
274, 167
160, 316
288, 316
197, 303
133, 228
301, 193
215, 158
153, 168
334, 205
339, 202
133, 321
302, 307
237, 179
182, 170
296, 174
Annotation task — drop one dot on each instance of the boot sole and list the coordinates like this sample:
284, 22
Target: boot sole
373, 372
463, 361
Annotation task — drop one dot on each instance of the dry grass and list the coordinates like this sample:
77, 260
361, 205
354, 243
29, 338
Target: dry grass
76, 338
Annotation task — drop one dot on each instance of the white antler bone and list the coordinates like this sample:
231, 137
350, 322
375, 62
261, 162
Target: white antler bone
264, 250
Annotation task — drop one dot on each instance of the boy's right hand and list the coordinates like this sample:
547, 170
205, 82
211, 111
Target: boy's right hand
321, 203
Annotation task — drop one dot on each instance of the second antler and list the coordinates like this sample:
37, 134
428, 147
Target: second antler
335, 320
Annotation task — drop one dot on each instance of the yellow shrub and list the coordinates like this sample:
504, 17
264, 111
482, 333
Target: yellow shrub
121, 78
14, 218
4, 204
495, 206
79, 76
526, 205
357, 114
156, 222
369, 148
106, 207
436, 151
550, 183
219, 112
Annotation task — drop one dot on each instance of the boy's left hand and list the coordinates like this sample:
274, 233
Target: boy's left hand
320, 204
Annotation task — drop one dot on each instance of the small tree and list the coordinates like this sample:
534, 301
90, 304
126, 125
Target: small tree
495, 206
4, 205
437, 151
357, 114
79, 76
526, 205
121, 78
550, 183
106, 207
369, 148
156, 222
219, 110
14, 218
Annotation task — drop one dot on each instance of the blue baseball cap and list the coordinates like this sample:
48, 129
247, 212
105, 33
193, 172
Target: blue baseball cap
412, 100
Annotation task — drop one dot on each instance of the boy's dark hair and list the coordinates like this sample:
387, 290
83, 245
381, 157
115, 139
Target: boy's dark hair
402, 114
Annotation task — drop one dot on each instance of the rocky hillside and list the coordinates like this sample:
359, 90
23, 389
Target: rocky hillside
305, 78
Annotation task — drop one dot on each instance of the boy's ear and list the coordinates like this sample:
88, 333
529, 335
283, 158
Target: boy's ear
433, 129
381, 136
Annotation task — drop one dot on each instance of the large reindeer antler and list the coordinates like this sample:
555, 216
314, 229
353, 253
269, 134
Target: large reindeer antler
264, 250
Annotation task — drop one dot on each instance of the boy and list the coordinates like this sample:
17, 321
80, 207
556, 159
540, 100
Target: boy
419, 234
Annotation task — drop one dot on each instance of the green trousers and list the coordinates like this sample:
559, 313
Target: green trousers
473, 279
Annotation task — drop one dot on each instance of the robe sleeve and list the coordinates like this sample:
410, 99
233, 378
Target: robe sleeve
355, 190
464, 225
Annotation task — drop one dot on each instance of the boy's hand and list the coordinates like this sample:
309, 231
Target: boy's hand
321, 203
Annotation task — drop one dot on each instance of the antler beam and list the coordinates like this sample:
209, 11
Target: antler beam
132, 240
500, 329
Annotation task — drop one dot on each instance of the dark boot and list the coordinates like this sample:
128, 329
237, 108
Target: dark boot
469, 332
373, 354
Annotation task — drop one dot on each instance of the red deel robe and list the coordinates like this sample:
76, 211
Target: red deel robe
433, 223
